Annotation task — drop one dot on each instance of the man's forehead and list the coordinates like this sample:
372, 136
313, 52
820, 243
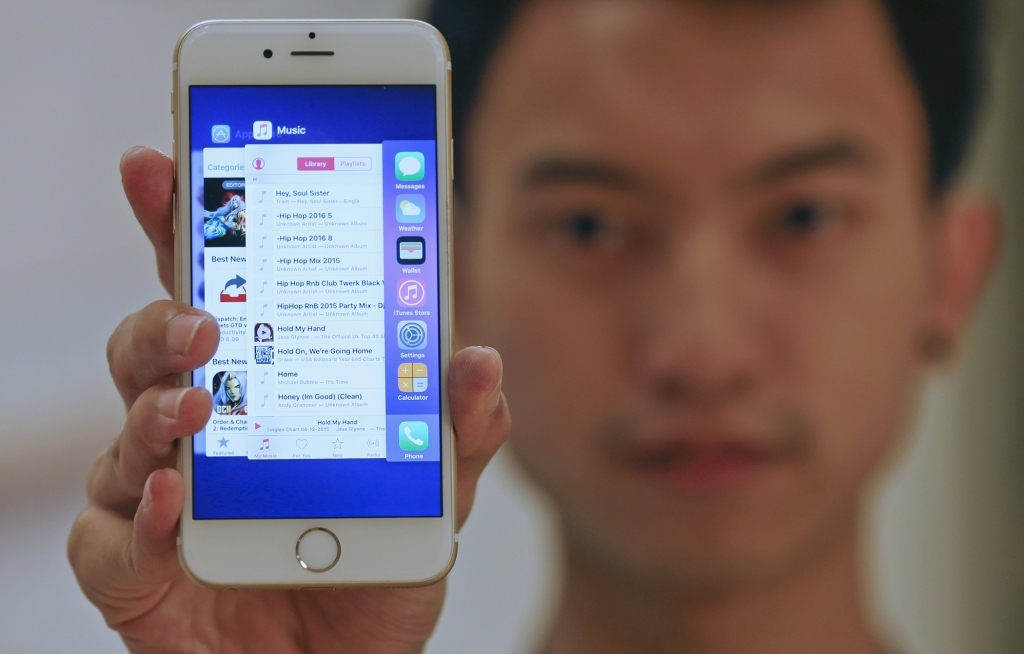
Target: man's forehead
683, 71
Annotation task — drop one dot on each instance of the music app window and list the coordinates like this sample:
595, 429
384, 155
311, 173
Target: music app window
309, 377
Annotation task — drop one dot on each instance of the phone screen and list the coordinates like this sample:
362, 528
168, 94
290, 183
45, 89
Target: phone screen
315, 245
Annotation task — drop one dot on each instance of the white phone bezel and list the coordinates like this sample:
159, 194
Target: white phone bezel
375, 551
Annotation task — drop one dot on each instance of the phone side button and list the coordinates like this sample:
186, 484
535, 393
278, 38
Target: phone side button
317, 549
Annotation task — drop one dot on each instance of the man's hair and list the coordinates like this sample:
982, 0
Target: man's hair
941, 41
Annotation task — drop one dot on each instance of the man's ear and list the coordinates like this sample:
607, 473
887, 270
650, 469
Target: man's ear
966, 249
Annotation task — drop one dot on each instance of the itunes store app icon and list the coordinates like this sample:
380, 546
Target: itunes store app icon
411, 293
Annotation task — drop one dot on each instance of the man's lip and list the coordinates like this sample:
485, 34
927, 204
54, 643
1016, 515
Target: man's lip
708, 457
707, 464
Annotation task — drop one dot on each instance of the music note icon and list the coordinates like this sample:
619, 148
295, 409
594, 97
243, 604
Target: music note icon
263, 242
265, 396
263, 265
263, 289
263, 217
264, 310
266, 444
261, 200
264, 381
411, 292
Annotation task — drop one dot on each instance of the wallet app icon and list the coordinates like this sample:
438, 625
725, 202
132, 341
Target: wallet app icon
412, 250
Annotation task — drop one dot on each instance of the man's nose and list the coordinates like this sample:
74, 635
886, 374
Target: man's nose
701, 337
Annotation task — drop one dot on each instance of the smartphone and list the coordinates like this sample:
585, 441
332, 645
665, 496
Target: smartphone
312, 212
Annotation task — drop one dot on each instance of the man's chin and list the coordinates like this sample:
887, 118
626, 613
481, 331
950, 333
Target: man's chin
691, 564
728, 531
692, 568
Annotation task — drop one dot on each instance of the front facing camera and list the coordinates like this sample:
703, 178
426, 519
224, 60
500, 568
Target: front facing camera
268, 53
312, 35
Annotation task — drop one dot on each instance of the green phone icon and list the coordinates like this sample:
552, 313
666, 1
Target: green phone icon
409, 166
412, 436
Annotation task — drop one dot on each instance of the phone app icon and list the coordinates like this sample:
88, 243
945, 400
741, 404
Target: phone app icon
262, 130
412, 250
412, 334
409, 166
410, 208
413, 436
220, 133
412, 377
411, 292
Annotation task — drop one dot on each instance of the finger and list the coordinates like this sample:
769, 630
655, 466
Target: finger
147, 176
480, 416
161, 415
151, 346
124, 566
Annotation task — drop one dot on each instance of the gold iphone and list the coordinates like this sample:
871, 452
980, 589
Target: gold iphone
313, 220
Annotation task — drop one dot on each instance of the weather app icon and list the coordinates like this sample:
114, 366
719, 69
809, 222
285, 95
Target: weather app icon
221, 133
412, 334
410, 208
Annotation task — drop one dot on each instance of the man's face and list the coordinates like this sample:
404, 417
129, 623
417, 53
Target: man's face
234, 389
700, 236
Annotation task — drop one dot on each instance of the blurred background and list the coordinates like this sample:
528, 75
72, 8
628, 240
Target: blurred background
83, 81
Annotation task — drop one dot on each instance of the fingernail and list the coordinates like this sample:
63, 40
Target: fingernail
181, 330
147, 496
170, 401
134, 148
496, 393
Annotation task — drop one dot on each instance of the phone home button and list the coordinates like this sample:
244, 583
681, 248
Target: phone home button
317, 549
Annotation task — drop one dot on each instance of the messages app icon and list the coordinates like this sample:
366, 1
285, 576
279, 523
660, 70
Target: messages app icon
409, 166
412, 435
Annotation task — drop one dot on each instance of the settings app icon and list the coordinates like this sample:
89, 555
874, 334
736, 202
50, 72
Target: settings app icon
412, 334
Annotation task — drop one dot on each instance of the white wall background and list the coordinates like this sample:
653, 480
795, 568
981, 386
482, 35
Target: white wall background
82, 81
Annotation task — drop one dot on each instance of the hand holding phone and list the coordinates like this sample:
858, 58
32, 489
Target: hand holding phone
122, 547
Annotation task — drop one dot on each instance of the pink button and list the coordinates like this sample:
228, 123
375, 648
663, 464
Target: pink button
316, 163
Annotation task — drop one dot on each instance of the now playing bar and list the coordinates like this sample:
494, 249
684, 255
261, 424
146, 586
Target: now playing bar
360, 437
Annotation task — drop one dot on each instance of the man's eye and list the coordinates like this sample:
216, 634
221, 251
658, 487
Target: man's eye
589, 228
805, 218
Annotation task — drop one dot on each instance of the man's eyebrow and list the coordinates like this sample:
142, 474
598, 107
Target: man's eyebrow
829, 153
566, 170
